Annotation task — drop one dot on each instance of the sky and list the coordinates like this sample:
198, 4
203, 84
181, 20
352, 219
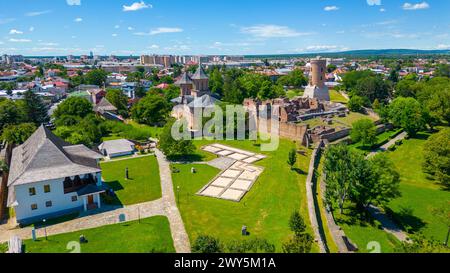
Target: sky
220, 27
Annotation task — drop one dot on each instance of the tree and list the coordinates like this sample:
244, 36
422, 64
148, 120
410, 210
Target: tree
11, 112
96, 77
292, 159
350, 79
419, 244
437, 156
207, 244
117, 98
379, 185
216, 82
340, 174
372, 88
299, 244
296, 79
153, 109
442, 213
297, 224
172, 147
356, 103
364, 131
408, 114
18, 134
434, 95
250, 246
73, 106
35, 108
443, 70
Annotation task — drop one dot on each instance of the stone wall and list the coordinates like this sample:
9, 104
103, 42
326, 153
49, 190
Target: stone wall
292, 131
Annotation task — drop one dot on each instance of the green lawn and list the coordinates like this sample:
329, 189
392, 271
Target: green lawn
337, 121
152, 235
3, 248
144, 183
335, 96
265, 210
382, 139
419, 194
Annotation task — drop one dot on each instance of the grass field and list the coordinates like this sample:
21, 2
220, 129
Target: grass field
3, 248
265, 210
337, 121
335, 96
144, 183
419, 195
151, 235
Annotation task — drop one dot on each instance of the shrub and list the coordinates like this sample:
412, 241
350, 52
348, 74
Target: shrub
207, 244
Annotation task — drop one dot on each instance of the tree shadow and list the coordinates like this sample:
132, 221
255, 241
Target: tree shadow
299, 171
421, 136
406, 220
186, 158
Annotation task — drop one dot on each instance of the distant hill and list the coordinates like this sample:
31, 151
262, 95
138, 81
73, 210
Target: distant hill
360, 53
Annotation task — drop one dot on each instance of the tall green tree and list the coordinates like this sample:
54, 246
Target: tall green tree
117, 98
408, 114
153, 109
292, 158
11, 112
35, 108
364, 131
74, 106
172, 147
372, 88
18, 134
96, 77
437, 156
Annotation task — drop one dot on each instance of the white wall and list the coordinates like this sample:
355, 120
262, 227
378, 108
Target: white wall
60, 200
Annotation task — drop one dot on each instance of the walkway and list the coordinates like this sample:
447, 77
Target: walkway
108, 215
179, 234
378, 213
386, 146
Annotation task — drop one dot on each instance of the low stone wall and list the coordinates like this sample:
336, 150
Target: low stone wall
292, 131
336, 135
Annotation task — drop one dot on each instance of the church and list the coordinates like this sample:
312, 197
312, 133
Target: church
194, 96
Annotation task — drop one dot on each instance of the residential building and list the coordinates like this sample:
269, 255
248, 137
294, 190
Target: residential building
117, 148
49, 178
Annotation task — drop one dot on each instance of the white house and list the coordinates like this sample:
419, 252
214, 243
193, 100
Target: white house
116, 148
49, 178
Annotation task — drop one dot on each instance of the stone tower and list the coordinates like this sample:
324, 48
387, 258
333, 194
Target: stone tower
185, 84
316, 87
201, 82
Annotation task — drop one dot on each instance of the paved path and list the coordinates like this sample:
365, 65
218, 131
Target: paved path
376, 212
391, 142
387, 224
179, 234
109, 215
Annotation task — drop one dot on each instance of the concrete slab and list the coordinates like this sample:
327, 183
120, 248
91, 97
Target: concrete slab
242, 185
234, 149
231, 173
247, 175
234, 195
222, 163
212, 191
222, 182
251, 160
212, 149
224, 153
238, 156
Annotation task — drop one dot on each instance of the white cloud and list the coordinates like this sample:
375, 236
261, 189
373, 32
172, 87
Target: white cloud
382, 10
409, 6
116, 26
130, 28
160, 30
78, 20
442, 46
374, 2
73, 2
15, 31
154, 47
49, 44
114, 35
31, 29
331, 8
19, 40
37, 13
137, 6
271, 31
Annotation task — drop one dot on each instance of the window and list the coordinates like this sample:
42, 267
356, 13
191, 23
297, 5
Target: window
74, 198
32, 191
47, 188
48, 204
34, 207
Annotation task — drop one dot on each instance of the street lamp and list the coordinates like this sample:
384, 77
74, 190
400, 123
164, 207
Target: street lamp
178, 195
45, 229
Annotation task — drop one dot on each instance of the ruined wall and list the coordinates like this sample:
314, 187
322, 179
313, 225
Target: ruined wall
292, 131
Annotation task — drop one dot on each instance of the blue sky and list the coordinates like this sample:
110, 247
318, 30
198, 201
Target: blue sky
124, 27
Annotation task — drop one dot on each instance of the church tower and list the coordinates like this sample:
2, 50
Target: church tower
185, 84
201, 82
317, 77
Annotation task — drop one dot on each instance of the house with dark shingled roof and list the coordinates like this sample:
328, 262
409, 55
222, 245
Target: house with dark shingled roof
49, 178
